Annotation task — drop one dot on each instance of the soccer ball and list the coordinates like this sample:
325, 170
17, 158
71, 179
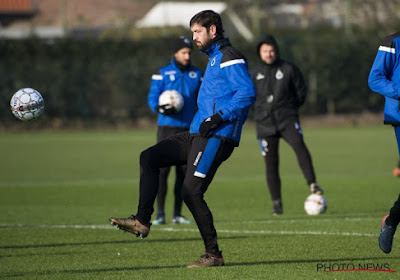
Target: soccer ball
315, 204
170, 99
27, 104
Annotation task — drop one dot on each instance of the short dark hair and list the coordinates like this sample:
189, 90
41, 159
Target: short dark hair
207, 18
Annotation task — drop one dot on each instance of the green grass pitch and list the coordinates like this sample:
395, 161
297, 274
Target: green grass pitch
57, 190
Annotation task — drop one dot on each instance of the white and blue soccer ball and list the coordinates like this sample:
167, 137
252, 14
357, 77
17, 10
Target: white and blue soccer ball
27, 104
171, 99
315, 204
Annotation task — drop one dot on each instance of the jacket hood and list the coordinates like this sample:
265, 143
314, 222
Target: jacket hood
270, 40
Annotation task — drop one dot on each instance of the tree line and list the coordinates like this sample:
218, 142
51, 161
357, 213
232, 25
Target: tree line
106, 80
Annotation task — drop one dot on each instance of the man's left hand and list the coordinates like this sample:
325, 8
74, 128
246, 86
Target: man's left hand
208, 124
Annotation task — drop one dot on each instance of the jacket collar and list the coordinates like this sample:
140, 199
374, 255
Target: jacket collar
217, 43
179, 66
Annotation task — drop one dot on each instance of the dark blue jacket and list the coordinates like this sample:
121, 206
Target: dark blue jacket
227, 89
187, 83
384, 77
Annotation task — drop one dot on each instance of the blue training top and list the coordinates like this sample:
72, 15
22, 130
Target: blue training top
187, 83
384, 77
227, 89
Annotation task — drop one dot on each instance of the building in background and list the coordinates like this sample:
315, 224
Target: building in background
16, 10
170, 13
57, 18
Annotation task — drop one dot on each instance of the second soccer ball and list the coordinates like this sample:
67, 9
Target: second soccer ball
315, 204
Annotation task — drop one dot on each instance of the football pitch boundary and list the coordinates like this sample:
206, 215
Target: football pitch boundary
171, 229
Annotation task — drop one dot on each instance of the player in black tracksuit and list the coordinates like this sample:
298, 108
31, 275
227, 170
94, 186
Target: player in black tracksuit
281, 90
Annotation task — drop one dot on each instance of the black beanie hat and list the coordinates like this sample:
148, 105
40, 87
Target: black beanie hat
182, 42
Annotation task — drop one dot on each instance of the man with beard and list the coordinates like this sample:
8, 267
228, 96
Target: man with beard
185, 79
224, 98
281, 90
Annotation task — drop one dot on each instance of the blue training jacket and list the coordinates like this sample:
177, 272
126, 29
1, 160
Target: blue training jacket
384, 77
187, 83
227, 89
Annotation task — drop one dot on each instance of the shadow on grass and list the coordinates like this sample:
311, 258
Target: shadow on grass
330, 260
133, 241
239, 264
38, 254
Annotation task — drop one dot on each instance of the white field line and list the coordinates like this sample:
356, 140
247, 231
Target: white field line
302, 221
98, 182
170, 229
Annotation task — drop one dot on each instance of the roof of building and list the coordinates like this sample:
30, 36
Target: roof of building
16, 6
170, 13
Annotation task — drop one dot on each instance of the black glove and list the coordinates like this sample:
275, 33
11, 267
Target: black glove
209, 124
166, 109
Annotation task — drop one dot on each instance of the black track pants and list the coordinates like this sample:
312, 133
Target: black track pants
292, 134
203, 157
163, 133
394, 215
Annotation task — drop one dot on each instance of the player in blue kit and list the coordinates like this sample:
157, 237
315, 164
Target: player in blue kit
384, 78
224, 99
